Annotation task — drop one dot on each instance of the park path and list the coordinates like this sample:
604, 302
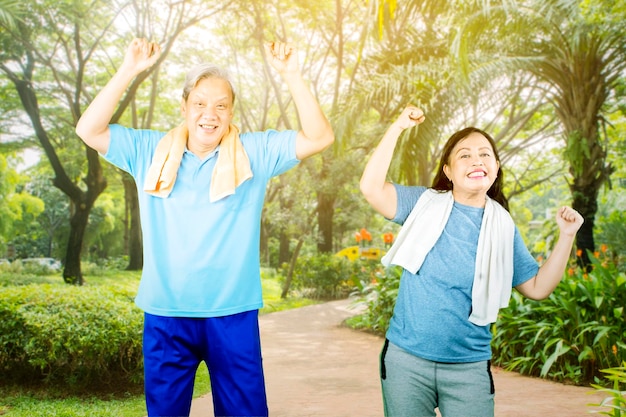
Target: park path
315, 366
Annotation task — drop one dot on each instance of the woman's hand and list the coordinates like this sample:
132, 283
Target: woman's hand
568, 220
410, 116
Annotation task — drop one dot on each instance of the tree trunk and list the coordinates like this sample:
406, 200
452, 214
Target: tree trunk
82, 201
264, 249
579, 112
589, 171
325, 209
283, 248
72, 273
587, 207
292, 266
135, 238
325, 212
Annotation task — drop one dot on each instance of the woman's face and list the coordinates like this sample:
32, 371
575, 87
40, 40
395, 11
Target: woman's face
472, 168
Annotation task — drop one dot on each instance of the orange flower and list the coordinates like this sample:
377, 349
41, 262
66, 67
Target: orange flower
539, 258
579, 253
586, 277
604, 248
570, 271
614, 348
596, 254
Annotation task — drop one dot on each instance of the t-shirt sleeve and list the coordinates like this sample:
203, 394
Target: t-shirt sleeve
407, 198
524, 265
131, 149
271, 152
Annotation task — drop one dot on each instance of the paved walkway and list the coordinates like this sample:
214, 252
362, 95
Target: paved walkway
316, 367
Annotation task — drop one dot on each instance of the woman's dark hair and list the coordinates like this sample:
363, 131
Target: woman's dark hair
442, 183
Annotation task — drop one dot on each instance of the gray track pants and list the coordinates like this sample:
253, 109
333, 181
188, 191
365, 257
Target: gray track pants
414, 387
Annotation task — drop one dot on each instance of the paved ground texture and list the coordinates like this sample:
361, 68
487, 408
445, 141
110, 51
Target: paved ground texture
314, 366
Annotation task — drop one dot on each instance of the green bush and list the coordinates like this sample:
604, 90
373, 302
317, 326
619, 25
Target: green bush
79, 336
379, 297
616, 400
612, 231
325, 276
573, 334
104, 266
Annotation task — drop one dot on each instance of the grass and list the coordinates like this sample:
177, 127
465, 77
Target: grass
272, 301
19, 401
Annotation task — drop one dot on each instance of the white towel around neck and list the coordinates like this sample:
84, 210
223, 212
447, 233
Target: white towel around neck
493, 274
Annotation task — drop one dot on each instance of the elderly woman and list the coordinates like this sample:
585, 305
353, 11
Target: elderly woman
461, 256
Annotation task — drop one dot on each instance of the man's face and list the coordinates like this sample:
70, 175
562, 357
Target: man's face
208, 112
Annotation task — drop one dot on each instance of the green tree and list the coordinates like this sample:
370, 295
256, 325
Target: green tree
323, 32
8, 182
576, 51
412, 63
104, 237
52, 221
19, 211
53, 58
329, 55
9, 12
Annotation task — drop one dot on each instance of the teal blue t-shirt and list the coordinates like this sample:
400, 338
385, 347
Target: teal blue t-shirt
431, 315
201, 259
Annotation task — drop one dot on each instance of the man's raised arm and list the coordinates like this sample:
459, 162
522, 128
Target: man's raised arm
93, 125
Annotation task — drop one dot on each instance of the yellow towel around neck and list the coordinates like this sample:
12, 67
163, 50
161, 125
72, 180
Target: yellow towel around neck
231, 169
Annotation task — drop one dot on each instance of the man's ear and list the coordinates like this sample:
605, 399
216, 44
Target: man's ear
183, 106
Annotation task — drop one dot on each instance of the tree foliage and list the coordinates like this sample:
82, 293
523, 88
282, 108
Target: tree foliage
578, 57
51, 56
364, 60
9, 12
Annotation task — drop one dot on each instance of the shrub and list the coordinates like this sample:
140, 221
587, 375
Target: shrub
612, 231
573, 334
104, 266
379, 297
79, 336
326, 276
616, 401
37, 266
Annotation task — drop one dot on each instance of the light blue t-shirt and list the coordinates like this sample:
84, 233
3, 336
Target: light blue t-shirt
431, 315
201, 259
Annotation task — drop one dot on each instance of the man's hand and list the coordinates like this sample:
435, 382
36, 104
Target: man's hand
282, 56
141, 55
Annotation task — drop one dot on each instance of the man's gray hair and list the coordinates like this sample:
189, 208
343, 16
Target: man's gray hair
202, 71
